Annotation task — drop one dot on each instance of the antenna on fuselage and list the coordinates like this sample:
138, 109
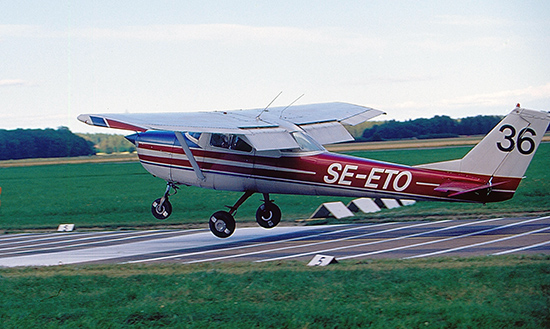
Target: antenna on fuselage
268, 105
289, 105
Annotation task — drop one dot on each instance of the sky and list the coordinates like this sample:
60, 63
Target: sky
411, 59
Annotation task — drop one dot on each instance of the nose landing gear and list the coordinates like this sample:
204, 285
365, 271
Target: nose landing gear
162, 208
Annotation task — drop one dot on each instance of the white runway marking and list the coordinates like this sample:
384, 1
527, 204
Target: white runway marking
60, 239
350, 241
94, 254
88, 243
482, 243
301, 246
248, 246
372, 243
536, 245
444, 240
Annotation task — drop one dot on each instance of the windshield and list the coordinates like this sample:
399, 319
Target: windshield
306, 143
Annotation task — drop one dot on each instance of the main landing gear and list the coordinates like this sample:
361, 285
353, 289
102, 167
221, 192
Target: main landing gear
222, 223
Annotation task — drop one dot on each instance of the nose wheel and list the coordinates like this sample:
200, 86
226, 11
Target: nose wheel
162, 208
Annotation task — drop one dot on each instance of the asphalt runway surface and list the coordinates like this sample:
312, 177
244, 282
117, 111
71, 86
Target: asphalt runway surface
404, 240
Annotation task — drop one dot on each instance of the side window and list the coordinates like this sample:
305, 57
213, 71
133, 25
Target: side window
220, 140
230, 142
240, 145
192, 139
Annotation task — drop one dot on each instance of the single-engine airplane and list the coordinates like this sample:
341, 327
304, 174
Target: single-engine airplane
280, 151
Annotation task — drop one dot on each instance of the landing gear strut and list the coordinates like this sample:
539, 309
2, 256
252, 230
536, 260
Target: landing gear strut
162, 208
222, 223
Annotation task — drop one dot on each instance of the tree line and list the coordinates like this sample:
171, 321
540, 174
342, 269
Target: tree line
436, 127
109, 143
42, 143
58, 143
61, 142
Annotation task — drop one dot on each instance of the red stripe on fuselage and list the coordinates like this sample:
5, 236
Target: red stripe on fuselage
336, 170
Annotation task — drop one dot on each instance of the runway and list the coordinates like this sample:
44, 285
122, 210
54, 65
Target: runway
404, 240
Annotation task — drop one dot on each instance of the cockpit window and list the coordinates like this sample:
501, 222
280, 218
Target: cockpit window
306, 143
231, 142
193, 137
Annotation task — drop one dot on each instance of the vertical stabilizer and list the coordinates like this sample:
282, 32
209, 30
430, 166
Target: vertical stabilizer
507, 150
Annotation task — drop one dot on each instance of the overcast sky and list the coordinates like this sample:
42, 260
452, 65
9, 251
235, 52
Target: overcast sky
411, 59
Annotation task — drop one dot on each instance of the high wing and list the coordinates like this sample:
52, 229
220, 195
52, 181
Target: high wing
266, 129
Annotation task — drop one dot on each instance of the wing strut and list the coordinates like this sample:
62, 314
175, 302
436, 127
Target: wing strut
190, 156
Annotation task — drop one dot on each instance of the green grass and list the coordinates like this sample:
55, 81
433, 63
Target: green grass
484, 292
115, 195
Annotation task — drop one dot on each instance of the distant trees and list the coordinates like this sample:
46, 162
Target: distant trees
42, 143
108, 143
436, 127
61, 142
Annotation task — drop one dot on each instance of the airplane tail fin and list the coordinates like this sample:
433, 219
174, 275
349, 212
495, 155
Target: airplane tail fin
507, 150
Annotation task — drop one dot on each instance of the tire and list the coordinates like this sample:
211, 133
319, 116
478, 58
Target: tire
222, 224
268, 215
161, 212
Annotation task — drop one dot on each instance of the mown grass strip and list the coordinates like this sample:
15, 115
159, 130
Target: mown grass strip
483, 292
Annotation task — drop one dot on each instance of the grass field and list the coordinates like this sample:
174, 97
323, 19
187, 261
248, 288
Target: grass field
487, 292
481, 292
113, 195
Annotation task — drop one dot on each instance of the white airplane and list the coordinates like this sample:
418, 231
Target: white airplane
280, 151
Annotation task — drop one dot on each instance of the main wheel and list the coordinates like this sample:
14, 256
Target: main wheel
222, 224
161, 211
268, 215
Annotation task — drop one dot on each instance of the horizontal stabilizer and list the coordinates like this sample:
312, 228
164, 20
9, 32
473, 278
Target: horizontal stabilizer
459, 188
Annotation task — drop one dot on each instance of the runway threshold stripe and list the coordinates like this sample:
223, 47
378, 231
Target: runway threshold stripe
81, 244
374, 242
306, 245
252, 245
22, 236
479, 244
438, 241
63, 239
521, 249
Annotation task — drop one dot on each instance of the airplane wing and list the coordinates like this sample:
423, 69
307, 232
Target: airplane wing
265, 129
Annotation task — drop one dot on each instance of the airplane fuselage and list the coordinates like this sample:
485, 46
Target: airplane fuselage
307, 172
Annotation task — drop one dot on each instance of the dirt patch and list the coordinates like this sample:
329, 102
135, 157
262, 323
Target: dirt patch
122, 157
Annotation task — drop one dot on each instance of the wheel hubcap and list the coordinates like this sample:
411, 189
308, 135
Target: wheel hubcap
220, 225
